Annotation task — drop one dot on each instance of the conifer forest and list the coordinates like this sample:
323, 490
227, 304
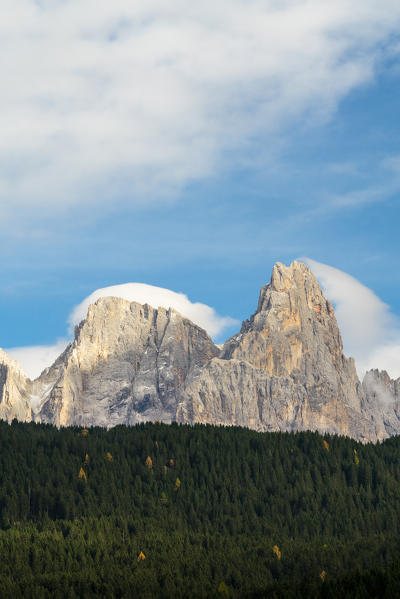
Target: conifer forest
165, 511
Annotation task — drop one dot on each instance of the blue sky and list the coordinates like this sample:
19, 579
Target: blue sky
191, 149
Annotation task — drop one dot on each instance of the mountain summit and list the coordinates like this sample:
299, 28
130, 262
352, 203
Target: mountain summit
284, 370
126, 365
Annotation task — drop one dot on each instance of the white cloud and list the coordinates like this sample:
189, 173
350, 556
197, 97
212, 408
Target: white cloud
371, 333
387, 357
34, 359
382, 393
201, 314
107, 99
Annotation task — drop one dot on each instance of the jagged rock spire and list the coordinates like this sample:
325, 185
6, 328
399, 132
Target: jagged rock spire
285, 370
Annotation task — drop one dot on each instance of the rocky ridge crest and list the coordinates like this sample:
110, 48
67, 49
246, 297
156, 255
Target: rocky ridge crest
284, 370
125, 365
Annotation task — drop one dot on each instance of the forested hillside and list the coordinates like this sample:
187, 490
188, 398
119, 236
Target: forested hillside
179, 511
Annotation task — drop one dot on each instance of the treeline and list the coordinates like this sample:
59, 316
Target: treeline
178, 511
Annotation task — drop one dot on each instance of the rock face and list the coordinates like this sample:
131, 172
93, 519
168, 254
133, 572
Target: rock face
383, 399
125, 365
285, 370
15, 388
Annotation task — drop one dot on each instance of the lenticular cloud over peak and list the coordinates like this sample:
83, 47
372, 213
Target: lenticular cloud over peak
371, 333
201, 314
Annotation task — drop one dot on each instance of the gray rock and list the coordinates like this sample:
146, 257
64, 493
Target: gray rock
383, 400
125, 366
285, 370
15, 389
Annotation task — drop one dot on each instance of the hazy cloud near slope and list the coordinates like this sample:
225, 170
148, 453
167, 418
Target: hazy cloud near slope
111, 99
370, 332
35, 358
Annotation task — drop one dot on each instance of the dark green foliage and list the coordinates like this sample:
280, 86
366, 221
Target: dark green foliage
76, 510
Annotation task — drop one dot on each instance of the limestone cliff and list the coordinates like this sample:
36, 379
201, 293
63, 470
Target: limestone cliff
15, 388
383, 400
285, 370
125, 365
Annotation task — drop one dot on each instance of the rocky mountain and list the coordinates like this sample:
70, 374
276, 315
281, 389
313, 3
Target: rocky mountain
284, 370
15, 388
126, 365
383, 400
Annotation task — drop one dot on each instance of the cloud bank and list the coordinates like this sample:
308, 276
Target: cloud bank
35, 359
371, 333
114, 100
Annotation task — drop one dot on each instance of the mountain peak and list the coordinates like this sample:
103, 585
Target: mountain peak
284, 370
13, 364
295, 281
126, 365
282, 275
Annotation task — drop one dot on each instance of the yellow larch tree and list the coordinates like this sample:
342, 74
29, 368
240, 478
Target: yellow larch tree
277, 551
